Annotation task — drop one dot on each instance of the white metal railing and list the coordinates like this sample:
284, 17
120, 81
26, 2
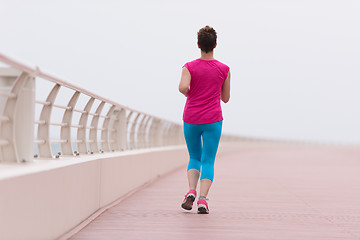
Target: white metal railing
119, 128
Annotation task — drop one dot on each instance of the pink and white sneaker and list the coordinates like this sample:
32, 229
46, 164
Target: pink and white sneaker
203, 207
189, 200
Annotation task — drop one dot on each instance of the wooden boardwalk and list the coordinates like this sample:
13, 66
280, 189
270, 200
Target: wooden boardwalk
263, 191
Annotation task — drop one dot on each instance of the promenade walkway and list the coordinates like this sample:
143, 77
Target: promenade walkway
269, 191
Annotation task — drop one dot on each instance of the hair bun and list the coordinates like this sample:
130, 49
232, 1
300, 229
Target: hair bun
207, 38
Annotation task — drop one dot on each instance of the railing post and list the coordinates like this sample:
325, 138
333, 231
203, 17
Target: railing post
17, 116
66, 148
44, 127
147, 132
94, 127
133, 132
164, 134
142, 131
128, 135
120, 130
160, 133
170, 135
151, 135
81, 134
105, 145
177, 135
156, 133
112, 131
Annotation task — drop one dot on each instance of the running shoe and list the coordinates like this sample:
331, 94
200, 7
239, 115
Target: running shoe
189, 200
203, 207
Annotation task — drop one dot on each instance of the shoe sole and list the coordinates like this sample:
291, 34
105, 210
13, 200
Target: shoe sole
202, 210
187, 205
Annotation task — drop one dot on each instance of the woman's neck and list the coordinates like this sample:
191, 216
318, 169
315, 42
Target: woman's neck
207, 56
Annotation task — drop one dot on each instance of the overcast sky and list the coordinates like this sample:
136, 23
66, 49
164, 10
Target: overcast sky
295, 64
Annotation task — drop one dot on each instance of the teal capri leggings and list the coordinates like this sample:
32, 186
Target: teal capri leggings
202, 141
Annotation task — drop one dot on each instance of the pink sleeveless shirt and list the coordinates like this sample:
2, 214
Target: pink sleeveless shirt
203, 100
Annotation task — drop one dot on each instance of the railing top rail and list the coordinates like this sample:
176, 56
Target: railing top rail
37, 72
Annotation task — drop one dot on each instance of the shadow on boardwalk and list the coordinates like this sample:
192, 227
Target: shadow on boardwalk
263, 191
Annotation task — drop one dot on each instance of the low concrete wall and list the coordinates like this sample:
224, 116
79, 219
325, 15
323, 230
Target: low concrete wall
48, 198
120, 177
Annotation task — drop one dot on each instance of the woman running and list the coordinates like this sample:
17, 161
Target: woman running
204, 82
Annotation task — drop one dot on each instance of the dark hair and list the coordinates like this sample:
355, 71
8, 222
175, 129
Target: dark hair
207, 39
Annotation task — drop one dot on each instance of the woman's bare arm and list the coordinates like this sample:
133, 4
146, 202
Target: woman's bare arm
225, 89
185, 81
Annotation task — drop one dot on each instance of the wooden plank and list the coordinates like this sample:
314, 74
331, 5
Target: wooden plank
264, 191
